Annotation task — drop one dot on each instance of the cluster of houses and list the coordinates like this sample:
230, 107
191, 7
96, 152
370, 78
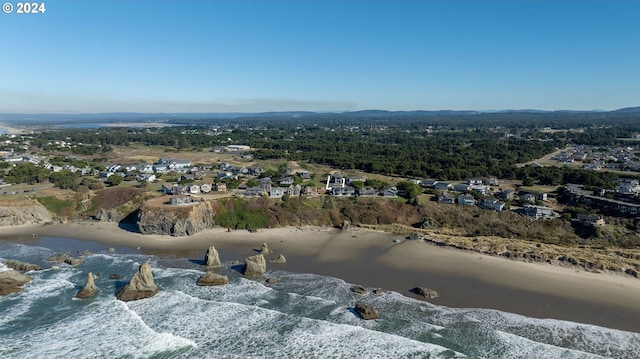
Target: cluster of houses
597, 158
623, 201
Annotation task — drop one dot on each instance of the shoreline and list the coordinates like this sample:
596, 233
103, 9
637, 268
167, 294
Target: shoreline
370, 258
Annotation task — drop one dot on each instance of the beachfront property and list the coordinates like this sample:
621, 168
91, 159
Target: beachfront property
590, 220
335, 181
539, 212
446, 199
492, 203
466, 200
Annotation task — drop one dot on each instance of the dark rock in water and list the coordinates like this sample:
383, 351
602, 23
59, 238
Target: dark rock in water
74, 262
280, 260
271, 280
366, 312
264, 249
11, 281
58, 258
108, 215
359, 289
141, 285
115, 276
254, 266
21, 266
425, 292
345, 224
211, 278
89, 288
66, 258
212, 259
414, 236
378, 291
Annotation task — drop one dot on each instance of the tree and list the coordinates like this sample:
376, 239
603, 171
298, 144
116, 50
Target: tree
115, 180
64, 179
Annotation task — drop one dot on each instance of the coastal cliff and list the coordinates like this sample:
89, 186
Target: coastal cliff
20, 213
155, 217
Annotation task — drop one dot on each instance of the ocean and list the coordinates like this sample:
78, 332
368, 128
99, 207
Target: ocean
300, 316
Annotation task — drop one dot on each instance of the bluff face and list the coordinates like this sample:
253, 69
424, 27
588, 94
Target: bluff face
176, 220
15, 214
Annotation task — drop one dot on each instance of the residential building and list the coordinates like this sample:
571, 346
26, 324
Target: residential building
466, 200
539, 212
590, 220
492, 203
444, 198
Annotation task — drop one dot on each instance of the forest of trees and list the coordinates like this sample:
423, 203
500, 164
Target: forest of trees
413, 144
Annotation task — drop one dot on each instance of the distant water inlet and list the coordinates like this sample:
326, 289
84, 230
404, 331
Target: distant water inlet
299, 316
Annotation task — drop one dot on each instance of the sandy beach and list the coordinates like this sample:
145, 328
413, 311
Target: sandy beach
370, 258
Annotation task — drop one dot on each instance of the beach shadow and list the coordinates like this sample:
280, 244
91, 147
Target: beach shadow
129, 227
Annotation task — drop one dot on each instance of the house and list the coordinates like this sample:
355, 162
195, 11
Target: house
343, 191
461, 187
428, 183
178, 200
293, 190
304, 174
221, 187
205, 188
352, 179
539, 212
590, 220
466, 200
528, 197
367, 192
310, 191
444, 198
474, 181
442, 186
254, 192
194, 189
391, 192
236, 148
147, 177
506, 194
482, 189
628, 186
492, 203
276, 192
286, 181
167, 188
492, 181
335, 181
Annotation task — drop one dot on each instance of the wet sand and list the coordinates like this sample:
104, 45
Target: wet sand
370, 258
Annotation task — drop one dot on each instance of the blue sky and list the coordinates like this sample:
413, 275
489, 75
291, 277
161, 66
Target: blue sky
252, 56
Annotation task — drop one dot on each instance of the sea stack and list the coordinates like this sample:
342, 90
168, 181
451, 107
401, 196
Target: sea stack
89, 288
264, 249
141, 285
254, 266
211, 259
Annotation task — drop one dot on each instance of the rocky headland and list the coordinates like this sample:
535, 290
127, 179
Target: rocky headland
157, 217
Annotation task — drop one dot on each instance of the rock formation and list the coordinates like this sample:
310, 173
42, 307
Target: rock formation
21, 266
27, 212
108, 215
264, 249
140, 286
271, 280
425, 292
414, 236
359, 289
154, 218
280, 260
11, 281
89, 288
366, 312
115, 276
211, 259
345, 224
211, 278
66, 258
254, 266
